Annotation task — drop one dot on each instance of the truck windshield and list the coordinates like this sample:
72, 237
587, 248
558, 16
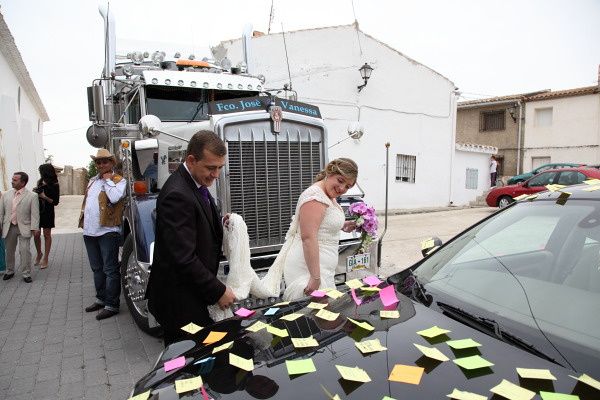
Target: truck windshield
183, 104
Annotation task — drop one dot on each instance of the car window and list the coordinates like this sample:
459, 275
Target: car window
542, 169
543, 179
570, 178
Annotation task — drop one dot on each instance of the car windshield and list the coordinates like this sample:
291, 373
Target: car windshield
535, 257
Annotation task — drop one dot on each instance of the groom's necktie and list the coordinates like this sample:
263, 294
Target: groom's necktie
204, 195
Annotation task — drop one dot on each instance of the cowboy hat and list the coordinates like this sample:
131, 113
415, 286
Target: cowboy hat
103, 154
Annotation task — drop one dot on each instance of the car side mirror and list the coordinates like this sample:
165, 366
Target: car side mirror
430, 245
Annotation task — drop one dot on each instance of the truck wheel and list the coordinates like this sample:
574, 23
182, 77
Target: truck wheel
133, 282
504, 201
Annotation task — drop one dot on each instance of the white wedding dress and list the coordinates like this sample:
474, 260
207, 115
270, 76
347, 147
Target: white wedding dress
289, 264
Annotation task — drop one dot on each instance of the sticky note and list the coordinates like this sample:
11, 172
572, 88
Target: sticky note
174, 363
318, 293
295, 367
512, 391
562, 198
389, 314
291, 317
222, 347
433, 332
372, 280
427, 243
257, 326
334, 294
354, 283
305, 342
592, 181
191, 328
240, 362
283, 303
364, 325
276, 331
353, 374
591, 188
370, 289
316, 306
521, 197
141, 396
406, 374
557, 396
355, 297
472, 362
327, 315
535, 373
214, 336
431, 352
388, 398
462, 344
271, 311
460, 395
370, 346
243, 312
187, 385
388, 295
588, 380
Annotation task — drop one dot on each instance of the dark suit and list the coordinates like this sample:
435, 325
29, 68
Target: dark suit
186, 257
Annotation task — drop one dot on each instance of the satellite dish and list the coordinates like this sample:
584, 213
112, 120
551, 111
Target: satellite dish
97, 135
355, 131
150, 125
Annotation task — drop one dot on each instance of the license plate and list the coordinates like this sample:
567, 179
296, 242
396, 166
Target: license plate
358, 261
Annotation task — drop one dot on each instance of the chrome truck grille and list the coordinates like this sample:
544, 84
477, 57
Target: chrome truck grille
267, 173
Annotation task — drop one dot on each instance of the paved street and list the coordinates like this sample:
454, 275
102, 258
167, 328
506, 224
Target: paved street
50, 348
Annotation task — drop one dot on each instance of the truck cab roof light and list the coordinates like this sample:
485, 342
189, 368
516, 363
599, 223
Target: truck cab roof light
158, 57
137, 57
226, 64
192, 63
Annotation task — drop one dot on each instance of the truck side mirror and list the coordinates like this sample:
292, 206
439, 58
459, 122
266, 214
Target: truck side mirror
150, 126
95, 96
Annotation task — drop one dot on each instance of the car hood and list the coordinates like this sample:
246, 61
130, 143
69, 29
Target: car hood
337, 339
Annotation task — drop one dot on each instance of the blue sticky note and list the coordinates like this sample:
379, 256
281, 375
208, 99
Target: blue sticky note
271, 311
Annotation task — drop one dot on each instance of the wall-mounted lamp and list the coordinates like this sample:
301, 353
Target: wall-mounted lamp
365, 73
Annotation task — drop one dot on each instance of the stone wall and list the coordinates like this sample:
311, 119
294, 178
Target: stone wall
72, 181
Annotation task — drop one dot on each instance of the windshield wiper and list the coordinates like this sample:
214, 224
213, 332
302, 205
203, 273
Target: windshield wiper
199, 107
416, 290
490, 326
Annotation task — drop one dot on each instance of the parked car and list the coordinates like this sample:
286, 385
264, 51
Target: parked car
503, 196
522, 284
541, 168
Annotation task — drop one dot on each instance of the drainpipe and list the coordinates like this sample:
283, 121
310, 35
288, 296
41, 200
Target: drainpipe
519, 134
452, 146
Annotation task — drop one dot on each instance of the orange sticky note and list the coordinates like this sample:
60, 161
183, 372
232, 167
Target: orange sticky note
406, 374
214, 336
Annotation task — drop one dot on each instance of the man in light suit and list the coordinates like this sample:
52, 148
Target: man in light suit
20, 218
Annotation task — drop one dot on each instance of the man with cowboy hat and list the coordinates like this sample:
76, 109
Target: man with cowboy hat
102, 211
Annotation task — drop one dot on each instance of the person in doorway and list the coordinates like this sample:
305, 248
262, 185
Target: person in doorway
2, 258
20, 219
49, 195
183, 280
493, 169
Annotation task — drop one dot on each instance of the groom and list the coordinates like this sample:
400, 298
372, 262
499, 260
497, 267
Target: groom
189, 235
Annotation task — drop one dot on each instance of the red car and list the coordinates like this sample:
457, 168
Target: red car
503, 196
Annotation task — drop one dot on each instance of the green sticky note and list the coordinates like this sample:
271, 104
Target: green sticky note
432, 352
460, 395
557, 396
529, 373
364, 325
462, 344
276, 331
257, 326
433, 332
472, 362
588, 380
222, 347
512, 391
141, 396
295, 367
388, 398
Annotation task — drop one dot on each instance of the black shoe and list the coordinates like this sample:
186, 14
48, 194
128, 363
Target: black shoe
94, 307
28, 279
7, 276
105, 314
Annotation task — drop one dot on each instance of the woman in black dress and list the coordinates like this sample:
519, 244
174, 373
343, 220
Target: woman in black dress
49, 194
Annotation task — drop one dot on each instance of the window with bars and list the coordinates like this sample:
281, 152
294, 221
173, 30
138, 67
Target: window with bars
491, 121
472, 178
405, 168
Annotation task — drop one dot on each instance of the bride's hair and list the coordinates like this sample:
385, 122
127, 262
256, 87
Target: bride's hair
340, 166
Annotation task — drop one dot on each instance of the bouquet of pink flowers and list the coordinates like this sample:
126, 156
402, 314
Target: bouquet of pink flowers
366, 223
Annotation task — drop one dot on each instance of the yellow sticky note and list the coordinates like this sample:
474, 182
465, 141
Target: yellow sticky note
460, 395
370, 289
276, 331
257, 326
370, 346
354, 284
353, 374
327, 315
214, 336
406, 374
305, 342
588, 380
240, 362
222, 347
283, 303
433, 332
512, 391
187, 385
291, 317
431, 352
335, 294
532, 373
592, 181
364, 325
521, 197
191, 328
427, 243
591, 188
316, 306
141, 396
462, 344
389, 314
295, 367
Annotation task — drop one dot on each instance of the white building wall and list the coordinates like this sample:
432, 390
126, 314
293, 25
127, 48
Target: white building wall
472, 159
404, 103
573, 136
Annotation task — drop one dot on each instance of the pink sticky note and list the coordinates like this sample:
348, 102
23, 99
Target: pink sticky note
174, 363
318, 293
356, 299
244, 312
388, 295
371, 280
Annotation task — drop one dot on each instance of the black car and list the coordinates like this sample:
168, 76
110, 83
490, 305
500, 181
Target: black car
523, 284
